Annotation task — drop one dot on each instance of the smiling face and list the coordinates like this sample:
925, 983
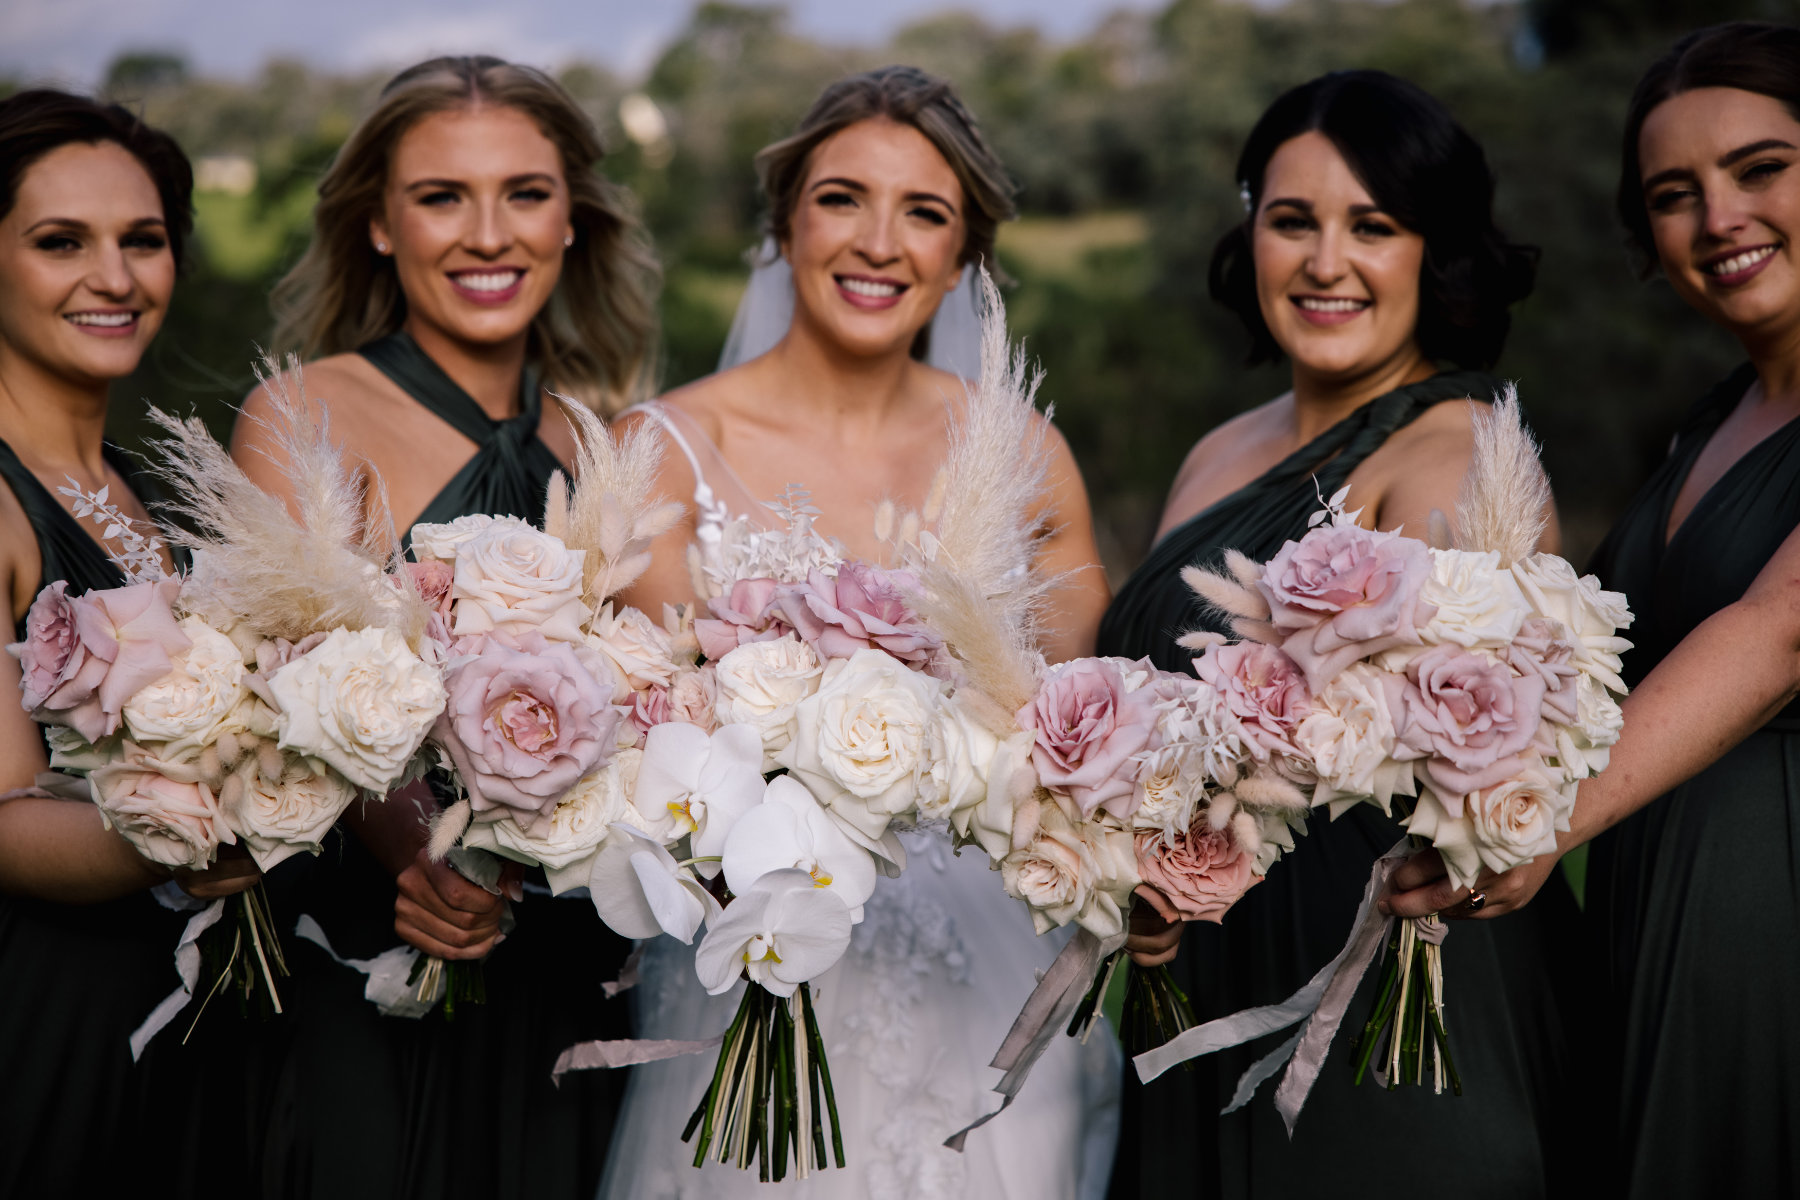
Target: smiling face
1337, 279
875, 237
85, 266
1723, 197
475, 215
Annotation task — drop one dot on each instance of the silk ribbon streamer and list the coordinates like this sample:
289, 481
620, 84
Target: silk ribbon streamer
625, 1052
1321, 1004
187, 965
1046, 1013
389, 988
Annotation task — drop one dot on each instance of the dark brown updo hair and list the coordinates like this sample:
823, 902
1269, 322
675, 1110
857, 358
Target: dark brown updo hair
1424, 171
1751, 56
35, 122
907, 96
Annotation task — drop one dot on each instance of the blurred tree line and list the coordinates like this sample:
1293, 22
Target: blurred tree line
1123, 144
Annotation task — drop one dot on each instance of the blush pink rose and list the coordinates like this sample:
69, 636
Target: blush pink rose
1343, 593
527, 718
83, 658
165, 810
747, 615
1543, 648
649, 708
694, 697
1086, 727
1471, 717
432, 579
863, 608
1203, 872
1264, 689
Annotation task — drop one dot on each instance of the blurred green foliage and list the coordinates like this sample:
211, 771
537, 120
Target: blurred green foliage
1124, 144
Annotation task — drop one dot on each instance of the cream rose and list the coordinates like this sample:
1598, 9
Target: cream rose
1515, 822
279, 817
441, 542
164, 809
1170, 785
694, 697
862, 741
360, 701
1591, 616
962, 753
565, 845
1349, 739
1478, 603
635, 644
513, 579
762, 683
202, 688
1073, 872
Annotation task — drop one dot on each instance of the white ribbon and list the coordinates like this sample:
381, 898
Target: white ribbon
187, 966
1046, 1014
625, 1052
389, 972
1321, 1004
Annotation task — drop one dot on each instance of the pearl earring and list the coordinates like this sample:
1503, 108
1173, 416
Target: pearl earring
381, 247
568, 240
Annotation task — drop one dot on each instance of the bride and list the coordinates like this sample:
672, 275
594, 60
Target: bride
882, 201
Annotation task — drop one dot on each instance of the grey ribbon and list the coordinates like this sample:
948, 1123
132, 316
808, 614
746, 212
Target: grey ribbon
187, 966
1321, 1004
1046, 1013
625, 1052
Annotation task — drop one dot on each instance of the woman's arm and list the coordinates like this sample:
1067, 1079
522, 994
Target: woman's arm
1724, 681
1068, 555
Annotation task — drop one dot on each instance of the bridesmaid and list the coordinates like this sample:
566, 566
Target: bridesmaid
94, 209
467, 259
1697, 895
1368, 256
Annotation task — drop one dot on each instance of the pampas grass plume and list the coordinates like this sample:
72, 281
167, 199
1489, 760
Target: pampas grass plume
1505, 499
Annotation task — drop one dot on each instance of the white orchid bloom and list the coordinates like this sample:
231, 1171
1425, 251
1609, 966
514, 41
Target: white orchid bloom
791, 829
782, 932
698, 784
640, 890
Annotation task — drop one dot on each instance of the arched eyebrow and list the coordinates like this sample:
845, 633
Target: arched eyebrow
852, 185
1728, 159
1306, 206
77, 225
462, 185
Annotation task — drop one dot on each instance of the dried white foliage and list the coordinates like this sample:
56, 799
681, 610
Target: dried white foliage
285, 573
137, 555
1505, 499
613, 511
979, 586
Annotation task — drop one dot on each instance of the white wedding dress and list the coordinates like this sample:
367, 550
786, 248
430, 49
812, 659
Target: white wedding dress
937, 970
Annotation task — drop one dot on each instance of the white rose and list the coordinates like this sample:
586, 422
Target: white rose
641, 650
761, 683
277, 818
1349, 738
962, 754
1585, 748
1478, 603
201, 688
1591, 615
1080, 872
511, 578
442, 541
862, 741
1515, 821
1011, 783
359, 701
566, 845
1170, 785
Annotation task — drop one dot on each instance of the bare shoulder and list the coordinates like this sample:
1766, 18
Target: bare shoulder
1441, 436
1234, 439
707, 401
345, 386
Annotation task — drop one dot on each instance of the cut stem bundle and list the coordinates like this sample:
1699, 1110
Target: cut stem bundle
242, 952
764, 1099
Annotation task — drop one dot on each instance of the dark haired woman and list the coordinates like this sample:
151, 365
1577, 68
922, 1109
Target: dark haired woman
94, 208
1369, 258
1697, 889
467, 259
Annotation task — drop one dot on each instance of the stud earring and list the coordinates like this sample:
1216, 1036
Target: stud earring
381, 247
568, 240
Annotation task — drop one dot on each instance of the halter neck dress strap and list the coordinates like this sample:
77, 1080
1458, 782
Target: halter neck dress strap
510, 470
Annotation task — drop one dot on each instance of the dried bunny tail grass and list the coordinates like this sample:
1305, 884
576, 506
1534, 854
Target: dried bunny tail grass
979, 587
1225, 594
1243, 568
1505, 499
614, 510
286, 573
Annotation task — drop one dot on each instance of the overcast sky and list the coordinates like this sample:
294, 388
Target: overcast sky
71, 41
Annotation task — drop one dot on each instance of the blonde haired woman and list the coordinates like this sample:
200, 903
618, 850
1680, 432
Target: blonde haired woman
466, 260
885, 197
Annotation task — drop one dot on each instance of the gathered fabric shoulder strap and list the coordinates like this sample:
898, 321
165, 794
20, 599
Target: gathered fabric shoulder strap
65, 551
510, 471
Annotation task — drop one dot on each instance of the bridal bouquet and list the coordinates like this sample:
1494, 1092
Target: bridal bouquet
1472, 684
248, 703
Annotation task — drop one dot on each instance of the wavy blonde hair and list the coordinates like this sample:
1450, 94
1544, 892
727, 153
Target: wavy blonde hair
593, 340
907, 96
